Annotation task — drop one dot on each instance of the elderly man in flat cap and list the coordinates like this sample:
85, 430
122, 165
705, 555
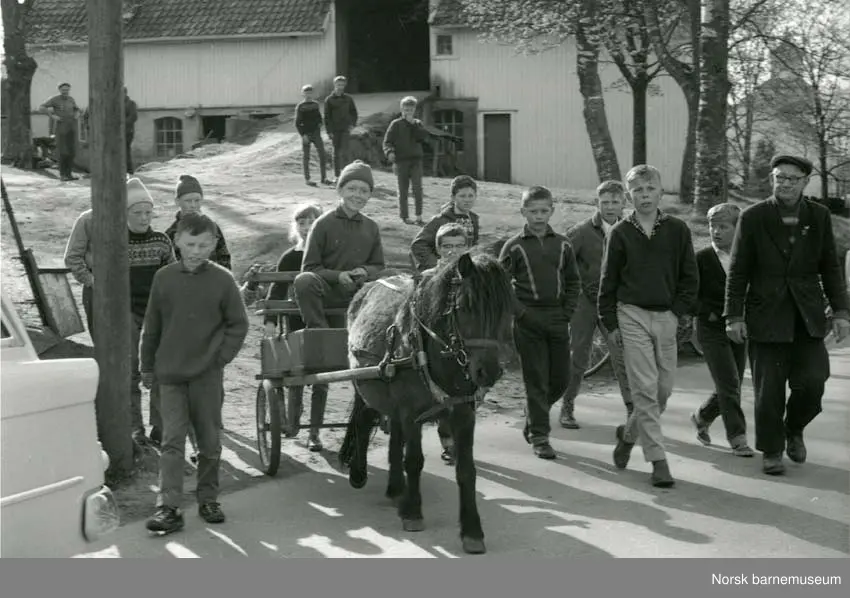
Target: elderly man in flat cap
784, 269
63, 111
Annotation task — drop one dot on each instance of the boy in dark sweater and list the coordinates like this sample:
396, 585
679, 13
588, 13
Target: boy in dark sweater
546, 282
195, 325
403, 148
302, 221
343, 250
649, 280
726, 360
308, 123
189, 196
340, 118
148, 251
424, 249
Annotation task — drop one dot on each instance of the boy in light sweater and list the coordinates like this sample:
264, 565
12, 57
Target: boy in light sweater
195, 325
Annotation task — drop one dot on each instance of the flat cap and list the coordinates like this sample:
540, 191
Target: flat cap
797, 161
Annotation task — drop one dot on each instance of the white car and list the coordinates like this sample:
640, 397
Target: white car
53, 501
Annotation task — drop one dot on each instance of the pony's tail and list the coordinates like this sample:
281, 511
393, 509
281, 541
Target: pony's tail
349, 443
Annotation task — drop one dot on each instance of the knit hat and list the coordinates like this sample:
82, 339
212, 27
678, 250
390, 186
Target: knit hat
188, 184
137, 193
724, 212
356, 171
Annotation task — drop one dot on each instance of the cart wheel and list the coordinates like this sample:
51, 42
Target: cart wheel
599, 355
269, 403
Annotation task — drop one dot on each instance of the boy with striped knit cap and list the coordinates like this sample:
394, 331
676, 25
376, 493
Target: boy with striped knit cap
149, 250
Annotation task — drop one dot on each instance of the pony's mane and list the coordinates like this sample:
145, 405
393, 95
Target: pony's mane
486, 292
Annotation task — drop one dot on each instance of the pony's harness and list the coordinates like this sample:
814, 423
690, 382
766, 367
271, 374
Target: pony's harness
454, 347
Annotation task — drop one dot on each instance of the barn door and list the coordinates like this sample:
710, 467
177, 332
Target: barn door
497, 148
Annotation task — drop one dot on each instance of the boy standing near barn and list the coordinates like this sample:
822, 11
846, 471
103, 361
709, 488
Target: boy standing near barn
195, 325
649, 280
340, 118
425, 249
403, 148
545, 278
308, 123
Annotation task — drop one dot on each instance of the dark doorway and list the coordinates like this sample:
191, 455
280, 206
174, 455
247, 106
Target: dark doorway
215, 127
497, 148
386, 43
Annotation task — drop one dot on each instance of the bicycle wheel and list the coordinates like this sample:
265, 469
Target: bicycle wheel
599, 354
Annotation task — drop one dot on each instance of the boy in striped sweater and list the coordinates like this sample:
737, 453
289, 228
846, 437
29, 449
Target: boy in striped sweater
149, 250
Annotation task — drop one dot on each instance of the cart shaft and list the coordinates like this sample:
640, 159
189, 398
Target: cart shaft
369, 373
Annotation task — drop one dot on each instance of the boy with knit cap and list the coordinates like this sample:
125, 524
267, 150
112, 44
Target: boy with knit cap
189, 197
195, 325
343, 249
149, 250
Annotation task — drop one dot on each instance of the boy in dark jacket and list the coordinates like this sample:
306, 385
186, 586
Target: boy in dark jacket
726, 360
195, 325
546, 282
403, 148
424, 250
189, 197
340, 118
308, 123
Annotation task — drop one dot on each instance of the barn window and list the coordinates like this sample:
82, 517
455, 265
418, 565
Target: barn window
451, 121
169, 136
444, 45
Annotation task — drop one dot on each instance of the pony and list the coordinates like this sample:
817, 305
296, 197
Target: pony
451, 329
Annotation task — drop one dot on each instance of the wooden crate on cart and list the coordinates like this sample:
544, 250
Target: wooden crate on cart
305, 351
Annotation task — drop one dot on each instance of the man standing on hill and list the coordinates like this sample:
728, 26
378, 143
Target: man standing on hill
340, 118
784, 268
63, 111
131, 115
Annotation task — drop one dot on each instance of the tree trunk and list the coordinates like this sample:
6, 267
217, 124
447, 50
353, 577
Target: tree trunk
689, 155
711, 181
20, 68
639, 93
823, 160
747, 157
110, 240
595, 117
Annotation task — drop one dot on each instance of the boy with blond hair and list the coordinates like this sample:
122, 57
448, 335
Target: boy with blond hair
403, 148
649, 280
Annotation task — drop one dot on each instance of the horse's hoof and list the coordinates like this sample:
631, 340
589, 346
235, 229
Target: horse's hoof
413, 525
357, 480
473, 545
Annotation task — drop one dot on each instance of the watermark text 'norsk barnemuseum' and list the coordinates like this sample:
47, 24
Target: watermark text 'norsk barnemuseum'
775, 580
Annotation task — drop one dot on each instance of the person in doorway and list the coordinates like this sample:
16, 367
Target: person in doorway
649, 280
340, 118
302, 221
308, 123
726, 360
588, 241
63, 111
783, 272
545, 278
195, 325
149, 251
343, 249
403, 148
131, 115
425, 251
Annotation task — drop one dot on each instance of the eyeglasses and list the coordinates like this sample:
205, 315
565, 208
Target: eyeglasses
784, 178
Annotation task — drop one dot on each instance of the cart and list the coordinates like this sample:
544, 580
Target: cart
299, 358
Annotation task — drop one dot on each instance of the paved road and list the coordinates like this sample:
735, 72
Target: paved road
579, 504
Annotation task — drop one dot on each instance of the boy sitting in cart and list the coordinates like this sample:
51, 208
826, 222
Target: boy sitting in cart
342, 252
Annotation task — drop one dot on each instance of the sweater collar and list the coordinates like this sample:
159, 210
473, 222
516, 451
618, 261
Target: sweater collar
527, 234
203, 267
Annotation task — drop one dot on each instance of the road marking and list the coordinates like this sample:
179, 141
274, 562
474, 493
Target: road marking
111, 552
269, 546
329, 511
390, 548
228, 541
180, 551
497, 474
